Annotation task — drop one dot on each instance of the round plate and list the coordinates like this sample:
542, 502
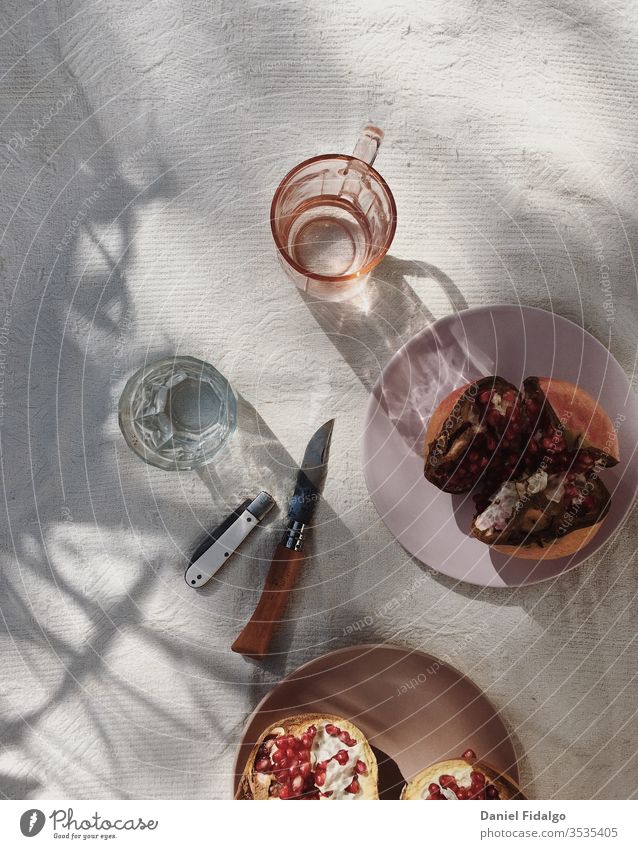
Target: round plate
513, 342
414, 710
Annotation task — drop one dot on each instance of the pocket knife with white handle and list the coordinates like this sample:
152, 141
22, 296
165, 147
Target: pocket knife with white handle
226, 539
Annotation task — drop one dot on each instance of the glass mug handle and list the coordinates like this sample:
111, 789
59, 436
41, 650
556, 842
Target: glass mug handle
368, 144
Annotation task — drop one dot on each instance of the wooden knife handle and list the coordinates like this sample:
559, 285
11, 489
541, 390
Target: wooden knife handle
254, 640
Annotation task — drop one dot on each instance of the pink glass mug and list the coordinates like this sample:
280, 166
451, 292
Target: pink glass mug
333, 219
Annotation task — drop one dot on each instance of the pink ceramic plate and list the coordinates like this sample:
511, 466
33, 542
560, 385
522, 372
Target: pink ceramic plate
413, 709
513, 342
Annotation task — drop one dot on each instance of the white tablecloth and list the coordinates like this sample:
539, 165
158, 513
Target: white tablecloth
141, 144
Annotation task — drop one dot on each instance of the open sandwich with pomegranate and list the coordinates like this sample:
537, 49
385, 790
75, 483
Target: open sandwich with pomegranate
310, 756
533, 458
462, 778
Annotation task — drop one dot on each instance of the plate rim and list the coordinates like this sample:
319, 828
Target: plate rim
236, 773
373, 405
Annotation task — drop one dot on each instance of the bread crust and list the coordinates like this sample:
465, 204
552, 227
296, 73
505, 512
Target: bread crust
581, 413
416, 788
438, 417
256, 786
563, 546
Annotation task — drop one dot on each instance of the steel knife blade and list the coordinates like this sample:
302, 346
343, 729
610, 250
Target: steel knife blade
310, 480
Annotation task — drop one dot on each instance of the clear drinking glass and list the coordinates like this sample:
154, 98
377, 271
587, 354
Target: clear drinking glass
177, 413
333, 219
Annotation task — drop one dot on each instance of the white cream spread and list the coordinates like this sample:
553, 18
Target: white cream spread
463, 779
502, 504
555, 489
338, 777
497, 402
537, 482
500, 509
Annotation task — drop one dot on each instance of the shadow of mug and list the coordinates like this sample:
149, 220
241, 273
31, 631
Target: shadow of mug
371, 327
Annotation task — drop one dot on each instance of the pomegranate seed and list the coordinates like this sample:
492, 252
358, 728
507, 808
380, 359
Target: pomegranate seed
469, 755
281, 743
305, 769
347, 739
263, 765
291, 754
462, 793
312, 730
304, 755
494, 418
353, 787
533, 447
361, 768
491, 792
327, 794
332, 730
474, 468
485, 397
278, 756
433, 789
306, 741
474, 456
320, 778
446, 780
293, 770
491, 443
297, 784
285, 793
342, 757
478, 778
483, 462
479, 795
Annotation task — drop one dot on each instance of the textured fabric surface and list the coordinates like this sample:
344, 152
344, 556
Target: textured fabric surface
140, 146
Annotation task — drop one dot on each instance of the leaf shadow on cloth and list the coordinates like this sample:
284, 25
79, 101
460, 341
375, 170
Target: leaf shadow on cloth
66, 334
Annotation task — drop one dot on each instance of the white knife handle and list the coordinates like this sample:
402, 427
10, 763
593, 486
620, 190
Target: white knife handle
203, 569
